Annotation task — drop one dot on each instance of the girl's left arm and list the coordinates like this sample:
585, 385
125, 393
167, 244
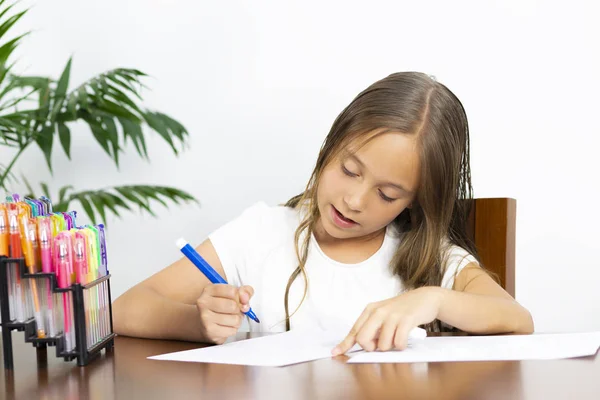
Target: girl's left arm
476, 304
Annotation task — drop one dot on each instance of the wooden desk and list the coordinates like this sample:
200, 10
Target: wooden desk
127, 374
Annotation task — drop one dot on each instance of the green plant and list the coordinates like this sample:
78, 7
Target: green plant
38, 110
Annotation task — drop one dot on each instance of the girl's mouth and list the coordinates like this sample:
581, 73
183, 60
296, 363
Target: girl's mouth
340, 220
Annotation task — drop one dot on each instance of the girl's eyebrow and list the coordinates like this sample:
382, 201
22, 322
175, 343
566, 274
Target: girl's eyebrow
362, 164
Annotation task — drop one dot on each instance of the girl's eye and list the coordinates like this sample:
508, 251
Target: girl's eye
347, 172
385, 198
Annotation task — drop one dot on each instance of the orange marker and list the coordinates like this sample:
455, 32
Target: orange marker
29, 242
4, 235
16, 252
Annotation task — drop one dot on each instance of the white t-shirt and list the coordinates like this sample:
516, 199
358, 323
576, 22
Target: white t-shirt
257, 249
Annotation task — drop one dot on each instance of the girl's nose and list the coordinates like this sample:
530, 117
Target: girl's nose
356, 201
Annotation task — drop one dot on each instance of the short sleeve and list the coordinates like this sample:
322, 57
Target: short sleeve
237, 242
457, 259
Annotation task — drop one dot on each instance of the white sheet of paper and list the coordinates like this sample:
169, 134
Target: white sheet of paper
489, 348
273, 350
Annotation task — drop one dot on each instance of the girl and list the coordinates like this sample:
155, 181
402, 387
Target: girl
377, 239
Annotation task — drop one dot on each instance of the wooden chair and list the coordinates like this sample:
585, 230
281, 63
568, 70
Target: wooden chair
492, 224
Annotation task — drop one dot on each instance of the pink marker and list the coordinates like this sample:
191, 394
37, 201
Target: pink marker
45, 239
80, 253
64, 259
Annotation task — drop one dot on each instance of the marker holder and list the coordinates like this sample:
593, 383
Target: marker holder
81, 352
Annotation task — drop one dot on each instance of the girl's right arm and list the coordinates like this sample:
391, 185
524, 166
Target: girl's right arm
180, 303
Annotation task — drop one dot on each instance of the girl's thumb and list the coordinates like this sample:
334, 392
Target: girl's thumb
246, 292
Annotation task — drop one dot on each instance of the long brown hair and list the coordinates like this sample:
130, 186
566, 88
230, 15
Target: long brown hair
410, 103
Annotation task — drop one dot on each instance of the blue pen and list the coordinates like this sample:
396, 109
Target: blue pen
206, 269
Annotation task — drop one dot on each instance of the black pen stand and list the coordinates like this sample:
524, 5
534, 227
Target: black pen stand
81, 295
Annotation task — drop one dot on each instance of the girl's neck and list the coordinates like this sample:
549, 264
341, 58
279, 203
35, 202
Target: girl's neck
351, 250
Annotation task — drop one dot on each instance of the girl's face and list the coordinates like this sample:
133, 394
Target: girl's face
363, 190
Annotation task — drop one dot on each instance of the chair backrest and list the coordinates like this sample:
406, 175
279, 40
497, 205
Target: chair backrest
492, 225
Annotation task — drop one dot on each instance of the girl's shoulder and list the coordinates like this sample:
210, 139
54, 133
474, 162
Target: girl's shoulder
455, 258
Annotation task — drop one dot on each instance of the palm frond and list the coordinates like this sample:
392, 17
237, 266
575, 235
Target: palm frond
7, 48
11, 133
35, 109
10, 177
20, 84
6, 25
115, 200
108, 103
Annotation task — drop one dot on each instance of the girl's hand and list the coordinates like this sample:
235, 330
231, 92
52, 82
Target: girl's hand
385, 325
221, 308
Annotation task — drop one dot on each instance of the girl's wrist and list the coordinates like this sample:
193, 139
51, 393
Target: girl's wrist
436, 295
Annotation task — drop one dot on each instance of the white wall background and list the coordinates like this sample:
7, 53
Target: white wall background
258, 85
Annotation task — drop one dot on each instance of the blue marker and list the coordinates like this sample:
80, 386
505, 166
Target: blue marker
206, 269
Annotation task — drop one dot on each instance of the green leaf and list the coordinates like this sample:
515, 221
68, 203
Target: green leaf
134, 131
12, 133
117, 198
7, 9
99, 204
72, 104
109, 202
147, 193
82, 96
36, 82
130, 195
4, 70
129, 73
113, 137
99, 134
117, 110
87, 207
175, 194
61, 90
118, 201
157, 125
44, 103
151, 193
63, 82
121, 97
15, 101
173, 125
44, 140
123, 84
8, 47
45, 189
6, 25
62, 192
64, 134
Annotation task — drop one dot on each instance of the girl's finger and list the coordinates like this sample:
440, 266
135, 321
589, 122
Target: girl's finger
219, 334
227, 320
350, 339
245, 294
367, 337
222, 305
386, 336
401, 336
